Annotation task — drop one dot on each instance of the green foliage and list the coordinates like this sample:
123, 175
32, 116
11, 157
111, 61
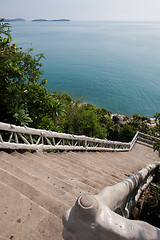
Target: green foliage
151, 209
157, 116
156, 146
156, 186
24, 99
127, 133
86, 119
81, 118
5, 28
140, 123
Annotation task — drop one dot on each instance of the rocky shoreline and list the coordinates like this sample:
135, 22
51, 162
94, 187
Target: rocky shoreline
121, 120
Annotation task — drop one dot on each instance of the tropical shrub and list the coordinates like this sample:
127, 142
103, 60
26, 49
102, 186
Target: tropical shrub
24, 100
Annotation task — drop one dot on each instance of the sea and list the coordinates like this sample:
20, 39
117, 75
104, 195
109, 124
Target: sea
113, 65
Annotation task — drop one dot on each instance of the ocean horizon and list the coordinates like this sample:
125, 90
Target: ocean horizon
114, 65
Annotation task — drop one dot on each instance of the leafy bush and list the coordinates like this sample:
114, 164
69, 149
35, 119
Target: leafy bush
156, 146
151, 208
24, 100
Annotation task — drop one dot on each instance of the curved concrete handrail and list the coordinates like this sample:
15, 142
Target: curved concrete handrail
95, 217
39, 140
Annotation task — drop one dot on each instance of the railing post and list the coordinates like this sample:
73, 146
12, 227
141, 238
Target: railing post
90, 219
84, 143
39, 148
95, 217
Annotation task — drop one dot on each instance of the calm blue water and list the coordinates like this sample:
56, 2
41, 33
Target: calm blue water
115, 65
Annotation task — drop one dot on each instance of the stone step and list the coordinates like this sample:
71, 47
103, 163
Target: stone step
126, 162
35, 169
49, 203
87, 171
130, 164
21, 218
43, 186
107, 172
123, 165
92, 157
36, 189
70, 157
58, 173
73, 169
65, 170
71, 186
92, 172
3, 238
107, 162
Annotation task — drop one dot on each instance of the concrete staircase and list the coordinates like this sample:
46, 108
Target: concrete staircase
37, 188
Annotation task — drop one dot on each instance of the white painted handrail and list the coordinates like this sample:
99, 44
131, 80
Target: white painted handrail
16, 137
147, 138
133, 141
104, 216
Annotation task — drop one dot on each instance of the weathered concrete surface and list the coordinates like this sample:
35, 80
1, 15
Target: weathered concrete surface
21, 218
36, 189
91, 219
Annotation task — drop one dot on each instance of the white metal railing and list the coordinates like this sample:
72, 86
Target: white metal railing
147, 138
16, 137
104, 216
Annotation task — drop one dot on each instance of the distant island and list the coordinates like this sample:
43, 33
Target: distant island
45, 20
36, 20
15, 20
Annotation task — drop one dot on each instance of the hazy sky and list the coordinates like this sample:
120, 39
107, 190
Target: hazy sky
81, 9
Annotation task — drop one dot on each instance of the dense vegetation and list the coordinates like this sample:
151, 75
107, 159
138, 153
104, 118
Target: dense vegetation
24, 100
156, 146
148, 207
